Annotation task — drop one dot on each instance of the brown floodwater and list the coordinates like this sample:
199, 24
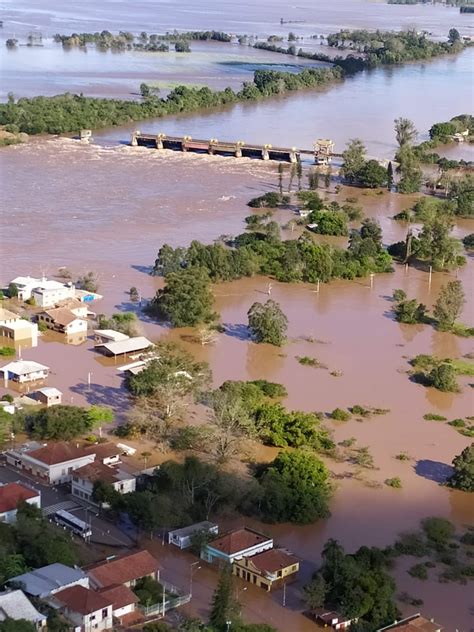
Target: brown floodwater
110, 209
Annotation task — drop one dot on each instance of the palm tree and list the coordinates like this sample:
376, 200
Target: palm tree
405, 131
145, 456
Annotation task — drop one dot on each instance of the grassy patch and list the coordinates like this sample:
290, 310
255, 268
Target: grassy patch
459, 329
434, 417
309, 361
7, 351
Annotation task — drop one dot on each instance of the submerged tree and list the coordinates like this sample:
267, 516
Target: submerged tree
353, 159
268, 323
463, 476
405, 131
449, 305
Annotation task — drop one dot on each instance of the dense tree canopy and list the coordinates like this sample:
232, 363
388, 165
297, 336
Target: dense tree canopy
449, 304
268, 323
62, 422
463, 476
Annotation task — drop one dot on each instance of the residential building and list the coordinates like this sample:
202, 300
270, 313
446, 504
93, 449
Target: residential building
414, 623
16, 605
125, 570
124, 347
48, 580
49, 396
107, 453
53, 462
86, 609
236, 545
83, 479
63, 321
23, 371
329, 618
124, 605
21, 330
267, 570
182, 538
11, 495
7, 317
46, 293
104, 336
75, 306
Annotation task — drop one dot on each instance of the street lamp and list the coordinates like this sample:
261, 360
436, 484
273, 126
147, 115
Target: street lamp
228, 624
192, 569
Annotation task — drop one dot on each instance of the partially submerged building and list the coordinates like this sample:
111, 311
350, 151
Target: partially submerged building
413, 623
18, 329
126, 347
48, 396
24, 371
269, 569
182, 538
63, 320
235, 545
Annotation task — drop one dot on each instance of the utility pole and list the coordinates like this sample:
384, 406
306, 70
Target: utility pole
284, 594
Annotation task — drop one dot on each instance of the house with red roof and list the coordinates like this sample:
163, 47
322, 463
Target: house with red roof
124, 570
235, 545
11, 495
85, 608
269, 569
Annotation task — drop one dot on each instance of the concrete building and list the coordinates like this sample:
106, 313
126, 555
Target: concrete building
49, 396
268, 570
83, 479
16, 605
23, 371
11, 495
182, 538
125, 570
235, 545
7, 317
48, 580
124, 347
86, 609
46, 293
52, 463
21, 331
63, 321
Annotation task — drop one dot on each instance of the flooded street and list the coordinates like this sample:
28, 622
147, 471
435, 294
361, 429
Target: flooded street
108, 207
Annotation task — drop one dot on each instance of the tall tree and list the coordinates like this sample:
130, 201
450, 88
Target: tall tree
224, 607
299, 173
449, 305
315, 592
280, 177
268, 323
353, 159
389, 176
409, 170
186, 299
405, 131
463, 475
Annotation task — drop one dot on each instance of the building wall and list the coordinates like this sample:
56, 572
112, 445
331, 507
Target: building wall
48, 401
94, 621
9, 517
242, 568
120, 612
59, 473
212, 555
49, 298
77, 326
30, 377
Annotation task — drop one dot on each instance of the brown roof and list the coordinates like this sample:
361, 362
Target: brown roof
238, 540
103, 450
97, 471
273, 560
6, 314
82, 600
70, 303
416, 624
13, 493
124, 569
120, 596
61, 316
54, 453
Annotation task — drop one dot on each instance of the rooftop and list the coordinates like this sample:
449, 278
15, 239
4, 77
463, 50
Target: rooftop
13, 493
415, 623
37, 283
114, 336
123, 569
49, 391
129, 345
43, 581
238, 540
54, 453
20, 323
6, 314
273, 560
192, 528
119, 596
103, 450
82, 600
62, 316
23, 367
16, 605
98, 471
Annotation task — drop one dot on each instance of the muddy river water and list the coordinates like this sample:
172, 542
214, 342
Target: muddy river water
109, 207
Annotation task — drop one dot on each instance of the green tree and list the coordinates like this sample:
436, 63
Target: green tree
267, 323
463, 475
449, 305
12, 290
438, 530
16, 625
443, 377
390, 176
224, 607
453, 36
88, 282
405, 131
372, 175
353, 159
186, 300
105, 493
436, 245
145, 90
409, 170
315, 592
58, 423
295, 488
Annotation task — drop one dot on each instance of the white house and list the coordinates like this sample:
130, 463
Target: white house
16, 605
47, 580
235, 545
63, 320
11, 495
53, 462
23, 371
46, 293
182, 538
124, 603
86, 609
49, 396
20, 330
83, 479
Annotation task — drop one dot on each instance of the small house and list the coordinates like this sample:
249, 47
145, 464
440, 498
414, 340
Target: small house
20, 330
124, 570
23, 371
15, 605
47, 580
63, 321
85, 608
83, 479
269, 569
236, 545
329, 618
104, 336
182, 538
49, 396
124, 605
413, 623
11, 495
125, 347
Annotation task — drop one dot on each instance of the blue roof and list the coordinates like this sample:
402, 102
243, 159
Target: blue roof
47, 579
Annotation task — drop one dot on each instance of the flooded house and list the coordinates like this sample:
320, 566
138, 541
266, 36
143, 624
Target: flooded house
48, 395
46, 293
269, 569
23, 371
235, 545
63, 320
17, 329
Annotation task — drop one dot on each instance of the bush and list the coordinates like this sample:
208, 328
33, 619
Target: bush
443, 377
267, 200
7, 351
438, 530
339, 414
434, 417
394, 482
419, 571
360, 411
